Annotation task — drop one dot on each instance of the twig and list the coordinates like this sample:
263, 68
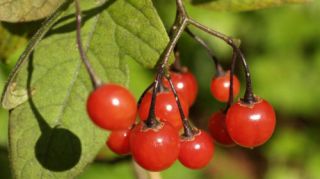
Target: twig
96, 82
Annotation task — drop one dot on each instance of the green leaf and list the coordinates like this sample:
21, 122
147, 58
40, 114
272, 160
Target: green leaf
50, 133
27, 10
9, 98
240, 5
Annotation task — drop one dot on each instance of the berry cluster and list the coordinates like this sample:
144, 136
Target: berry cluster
248, 123
164, 134
154, 142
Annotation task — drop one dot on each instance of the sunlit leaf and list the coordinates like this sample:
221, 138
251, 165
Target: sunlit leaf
27, 10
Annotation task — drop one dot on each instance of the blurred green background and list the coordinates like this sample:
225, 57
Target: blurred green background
282, 46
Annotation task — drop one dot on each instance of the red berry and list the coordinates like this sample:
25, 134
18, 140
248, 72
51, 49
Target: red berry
166, 108
118, 142
220, 87
196, 152
154, 149
185, 84
218, 130
112, 107
251, 125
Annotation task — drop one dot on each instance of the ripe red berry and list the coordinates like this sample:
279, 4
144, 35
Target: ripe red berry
118, 142
196, 152
166, 108
251, 125
218, 130
220, 87
185, 84
155, 149
112, 107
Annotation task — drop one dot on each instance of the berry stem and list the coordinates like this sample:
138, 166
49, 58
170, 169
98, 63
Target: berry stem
96, 82
144, 93
151, 120
248, 96
176, 32
219, 69
233, 64
188, 131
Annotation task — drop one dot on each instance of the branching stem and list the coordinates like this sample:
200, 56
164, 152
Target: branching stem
177, 30
180, 25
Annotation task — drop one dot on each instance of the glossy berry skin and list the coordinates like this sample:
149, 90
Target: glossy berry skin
155, 149
220, 87
118, 142
166, 108
196, 152
218, 130
251, 125
185, 84
112, 107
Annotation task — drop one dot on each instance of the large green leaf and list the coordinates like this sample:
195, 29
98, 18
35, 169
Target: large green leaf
243, 5
26, 10
50, 133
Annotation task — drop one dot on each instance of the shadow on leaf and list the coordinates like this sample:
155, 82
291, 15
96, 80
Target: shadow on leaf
57, 149
4, 163
86, 15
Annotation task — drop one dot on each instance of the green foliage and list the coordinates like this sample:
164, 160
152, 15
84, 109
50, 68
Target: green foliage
22, 10
236, 5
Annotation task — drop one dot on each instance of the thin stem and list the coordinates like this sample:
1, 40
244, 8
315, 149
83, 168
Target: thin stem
144, 93
188, 132
94, 79
219, 69
151, 120
177, 29
233, 64
248, 97
181, 9
174, 39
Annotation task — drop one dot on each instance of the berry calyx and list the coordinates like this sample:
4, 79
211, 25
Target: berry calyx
251, 125
220, 86
154, 149
218, 130
185, 84
166, 108
196, 151
118, 142
112, 107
